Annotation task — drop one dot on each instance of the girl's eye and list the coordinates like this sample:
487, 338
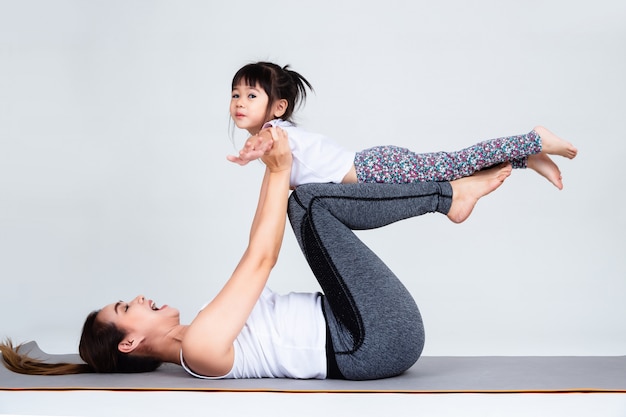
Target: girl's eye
235, 95
251, 95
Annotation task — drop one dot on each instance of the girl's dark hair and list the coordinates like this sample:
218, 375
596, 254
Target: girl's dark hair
277, 82
98, 348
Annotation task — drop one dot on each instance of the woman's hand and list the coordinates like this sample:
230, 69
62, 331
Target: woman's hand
279, 157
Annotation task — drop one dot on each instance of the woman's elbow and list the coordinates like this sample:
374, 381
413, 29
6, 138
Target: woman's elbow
264, 257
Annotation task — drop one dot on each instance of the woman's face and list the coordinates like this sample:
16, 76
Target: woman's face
140, 315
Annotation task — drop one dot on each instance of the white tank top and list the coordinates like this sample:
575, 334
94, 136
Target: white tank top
284, 337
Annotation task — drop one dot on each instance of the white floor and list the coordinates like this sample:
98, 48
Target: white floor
107, 403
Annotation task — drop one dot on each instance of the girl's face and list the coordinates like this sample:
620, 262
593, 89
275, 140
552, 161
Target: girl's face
248, 107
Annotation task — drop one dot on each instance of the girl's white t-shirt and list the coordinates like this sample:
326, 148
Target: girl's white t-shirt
284, 337
316, 157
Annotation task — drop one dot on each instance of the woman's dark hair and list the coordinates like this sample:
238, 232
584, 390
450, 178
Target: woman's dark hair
277, 82
98, 348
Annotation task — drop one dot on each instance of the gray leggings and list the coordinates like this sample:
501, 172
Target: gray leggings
374, 327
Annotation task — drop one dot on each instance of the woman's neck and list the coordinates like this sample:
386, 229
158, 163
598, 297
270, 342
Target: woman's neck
168, 348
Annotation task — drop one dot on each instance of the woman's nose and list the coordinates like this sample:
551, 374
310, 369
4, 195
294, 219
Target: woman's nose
139, 299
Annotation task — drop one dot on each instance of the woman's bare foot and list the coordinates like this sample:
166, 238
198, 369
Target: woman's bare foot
467, 191
543, 165
554, 145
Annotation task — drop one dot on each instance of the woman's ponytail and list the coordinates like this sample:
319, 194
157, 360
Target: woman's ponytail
97, 348
19, 362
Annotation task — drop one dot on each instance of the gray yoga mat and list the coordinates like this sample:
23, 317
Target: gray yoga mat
431, 374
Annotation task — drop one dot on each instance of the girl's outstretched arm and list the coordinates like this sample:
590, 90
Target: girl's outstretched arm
208, 343
254, 148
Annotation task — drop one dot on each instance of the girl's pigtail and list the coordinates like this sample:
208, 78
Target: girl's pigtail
300, 83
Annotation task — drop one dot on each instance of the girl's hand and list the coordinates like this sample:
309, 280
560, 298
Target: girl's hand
254, 148
279, 157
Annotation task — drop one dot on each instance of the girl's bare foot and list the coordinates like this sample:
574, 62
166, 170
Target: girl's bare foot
554, 145
467, 191
543, 165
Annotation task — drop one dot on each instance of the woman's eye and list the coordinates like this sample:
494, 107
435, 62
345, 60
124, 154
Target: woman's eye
126, 308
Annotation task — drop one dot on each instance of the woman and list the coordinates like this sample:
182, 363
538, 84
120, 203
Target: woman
365, 325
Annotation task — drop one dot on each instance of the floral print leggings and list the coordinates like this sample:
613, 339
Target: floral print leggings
395, 165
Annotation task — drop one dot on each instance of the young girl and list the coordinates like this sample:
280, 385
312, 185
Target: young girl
265, 95
365, 325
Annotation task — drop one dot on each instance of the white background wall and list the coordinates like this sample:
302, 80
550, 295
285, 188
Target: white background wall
114, 130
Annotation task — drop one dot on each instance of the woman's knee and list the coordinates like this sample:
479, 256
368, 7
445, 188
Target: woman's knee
300, 198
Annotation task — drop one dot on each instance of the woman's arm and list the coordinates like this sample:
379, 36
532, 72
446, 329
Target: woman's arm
208, 343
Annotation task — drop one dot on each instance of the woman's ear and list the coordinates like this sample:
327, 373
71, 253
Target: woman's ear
279, 107
129, 344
